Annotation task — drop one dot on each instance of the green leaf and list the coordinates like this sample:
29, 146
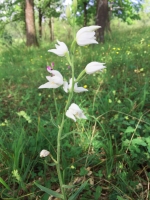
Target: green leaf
97, 193
49, 191
130, 129
139, 141
68, 186
72, 197
83, 171
4, 184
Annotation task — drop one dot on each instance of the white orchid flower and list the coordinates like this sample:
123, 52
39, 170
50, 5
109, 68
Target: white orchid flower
61, 49
54, 81
93, 67
44, 153
77, 89
74, 112
86, 35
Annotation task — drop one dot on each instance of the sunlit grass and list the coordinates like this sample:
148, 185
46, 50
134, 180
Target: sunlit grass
111, 148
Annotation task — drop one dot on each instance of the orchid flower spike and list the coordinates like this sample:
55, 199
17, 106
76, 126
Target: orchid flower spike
74, 112
77, 89
61, 49
93, 67
86, 35
44, 153
54, 81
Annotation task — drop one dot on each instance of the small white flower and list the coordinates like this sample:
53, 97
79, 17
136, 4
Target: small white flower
86, 35
54, 81
61, 49
77, 89
44, 153
93, 67
74, 112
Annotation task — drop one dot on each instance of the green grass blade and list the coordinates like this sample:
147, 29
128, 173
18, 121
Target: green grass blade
72, 197
49, 191
4, 184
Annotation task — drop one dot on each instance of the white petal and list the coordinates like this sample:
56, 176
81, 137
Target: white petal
87, 29
80, 89
57, 80
86, 35
56, 73
74, 108
70, 115
63, 45
56, 52
66, 86
44, 153
61, 49
86, 42
94, 67
46, 85
82, 116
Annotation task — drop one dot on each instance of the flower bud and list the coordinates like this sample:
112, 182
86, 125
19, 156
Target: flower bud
44, 153
68, 12
74, 6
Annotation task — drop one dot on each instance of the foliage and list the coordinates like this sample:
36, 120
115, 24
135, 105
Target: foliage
124, 9
110, 149
48, 7
128, 10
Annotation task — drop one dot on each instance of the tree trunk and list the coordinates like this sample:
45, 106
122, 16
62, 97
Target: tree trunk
85, 13
40, 23
31, 38
102, 18
51, 28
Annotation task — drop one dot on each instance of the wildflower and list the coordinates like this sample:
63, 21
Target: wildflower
52, 64
24, 115
74, 112
68, 12
77, 89
44, 153
54, 81
86, 35
109, 101
49, 68
74, 5
118, 101
85, 86
93, 67
61, 49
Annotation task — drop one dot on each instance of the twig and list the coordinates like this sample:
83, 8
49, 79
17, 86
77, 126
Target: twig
148, 184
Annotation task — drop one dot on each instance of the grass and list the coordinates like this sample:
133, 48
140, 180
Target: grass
111, 149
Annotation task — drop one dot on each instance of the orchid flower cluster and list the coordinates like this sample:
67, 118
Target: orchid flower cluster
84, 36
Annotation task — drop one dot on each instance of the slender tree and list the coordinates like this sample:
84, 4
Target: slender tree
31, 38
102, 18
47, 9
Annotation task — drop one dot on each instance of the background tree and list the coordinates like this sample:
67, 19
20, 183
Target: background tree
87, 11
31, 38
99, 11
125, 9
102, 18
47, 9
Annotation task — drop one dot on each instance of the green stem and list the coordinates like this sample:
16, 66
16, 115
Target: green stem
58, 158
58, 166
55, 101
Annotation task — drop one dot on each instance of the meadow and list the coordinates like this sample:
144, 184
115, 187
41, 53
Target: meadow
110, 150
